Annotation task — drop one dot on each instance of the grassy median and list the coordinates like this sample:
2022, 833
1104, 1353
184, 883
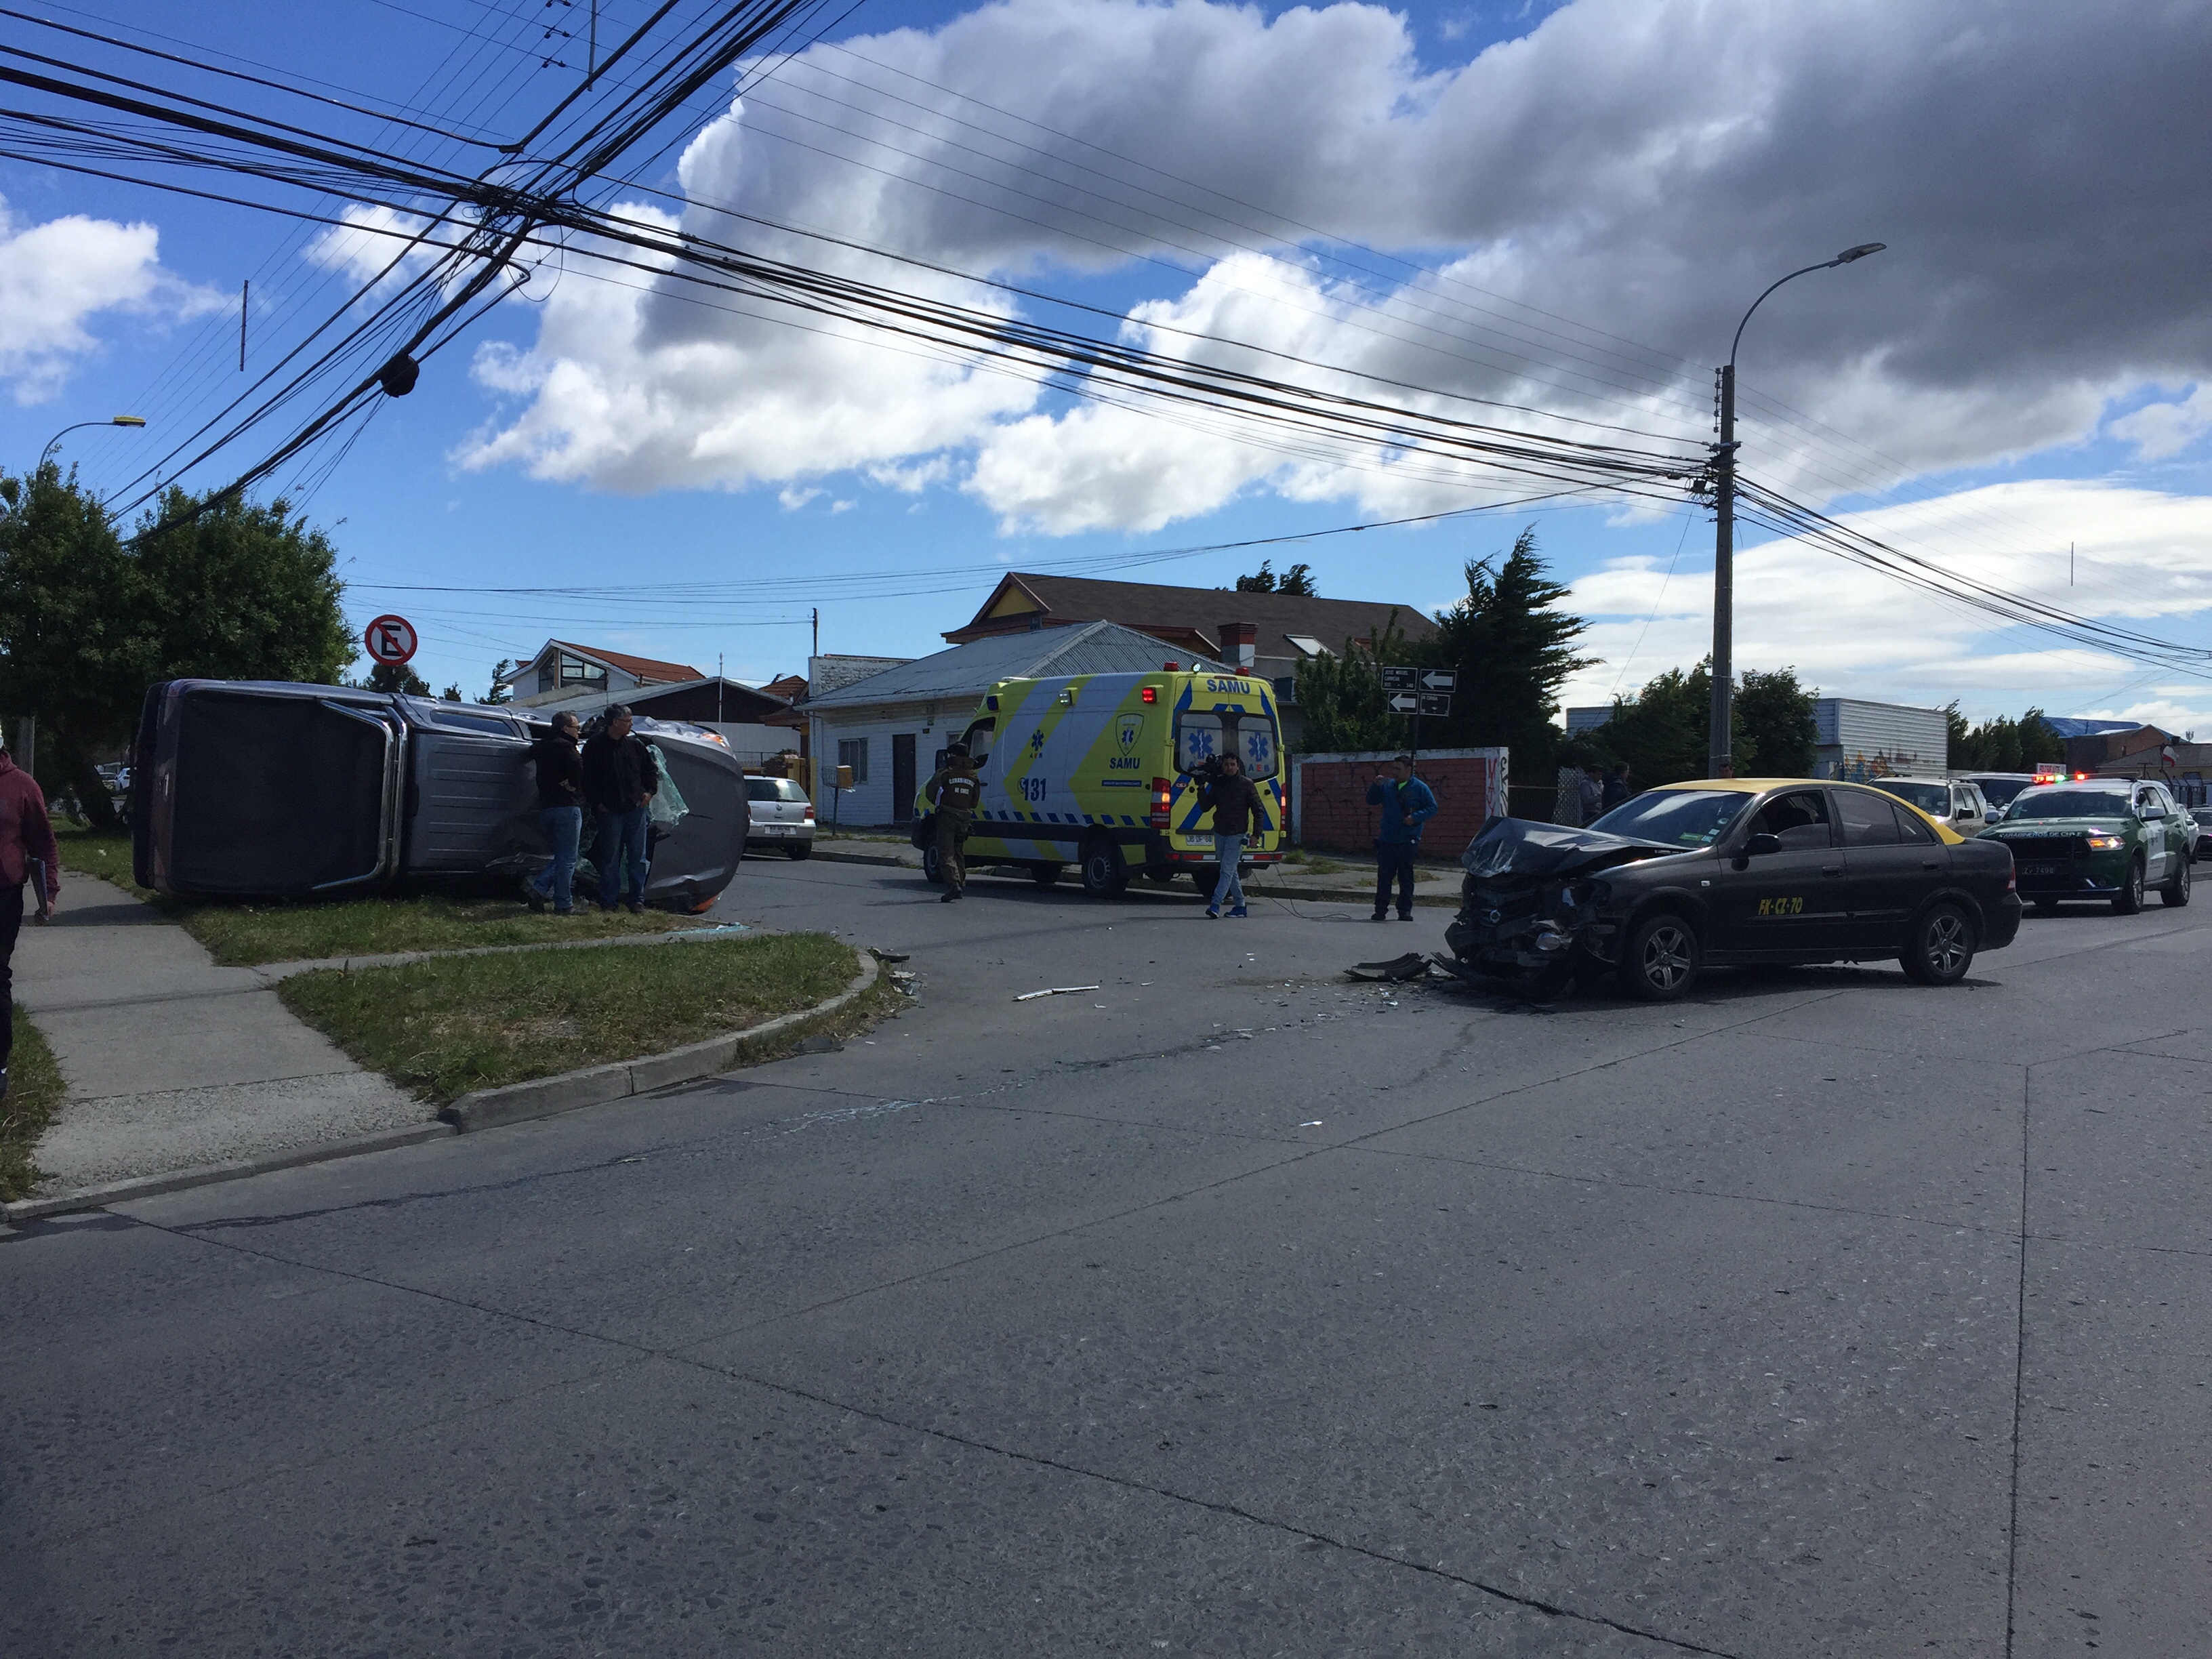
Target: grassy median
445, 1027
34, 1089
241, 934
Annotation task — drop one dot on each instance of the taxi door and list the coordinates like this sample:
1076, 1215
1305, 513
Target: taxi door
1893, 862
1789, 901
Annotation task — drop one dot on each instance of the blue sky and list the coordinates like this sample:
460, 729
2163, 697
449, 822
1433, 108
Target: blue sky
2019, 371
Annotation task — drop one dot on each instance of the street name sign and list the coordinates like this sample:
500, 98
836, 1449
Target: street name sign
1396, 678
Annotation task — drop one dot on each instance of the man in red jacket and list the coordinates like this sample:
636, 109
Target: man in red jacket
25, 834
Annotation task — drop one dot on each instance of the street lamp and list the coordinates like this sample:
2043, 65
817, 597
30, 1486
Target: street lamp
116, 420
1719, 764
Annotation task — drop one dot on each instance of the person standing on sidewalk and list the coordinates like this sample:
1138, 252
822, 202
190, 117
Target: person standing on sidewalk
1617, 786
619, 779
1236, 813
26, 848
953, 793
559, 812
1406, 803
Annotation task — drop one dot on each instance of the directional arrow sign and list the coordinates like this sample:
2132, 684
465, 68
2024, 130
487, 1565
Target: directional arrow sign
1406, 703
1439, 679
1400, 678
1436, 702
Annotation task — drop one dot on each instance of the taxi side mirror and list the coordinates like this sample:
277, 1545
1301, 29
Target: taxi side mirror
1760, 844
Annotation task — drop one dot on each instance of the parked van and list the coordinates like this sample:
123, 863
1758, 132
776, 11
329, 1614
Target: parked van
1098, 770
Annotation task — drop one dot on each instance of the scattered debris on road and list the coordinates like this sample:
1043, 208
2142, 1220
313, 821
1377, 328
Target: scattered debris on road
1412, 966
884, 956
1056, 991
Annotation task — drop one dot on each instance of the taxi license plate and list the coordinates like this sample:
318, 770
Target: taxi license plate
2043, 869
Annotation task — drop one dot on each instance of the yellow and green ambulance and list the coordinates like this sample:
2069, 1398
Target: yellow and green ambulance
1100, 771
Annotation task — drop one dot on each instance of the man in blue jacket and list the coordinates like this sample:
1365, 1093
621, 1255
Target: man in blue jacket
1407, 804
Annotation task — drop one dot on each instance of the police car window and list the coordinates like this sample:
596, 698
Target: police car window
1800, 818
2049, 803
1868, 820
1911, 828
1679, 817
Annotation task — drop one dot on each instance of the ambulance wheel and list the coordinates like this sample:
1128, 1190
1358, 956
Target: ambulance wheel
1105, 872
1205, 878
1046, 875
932, 870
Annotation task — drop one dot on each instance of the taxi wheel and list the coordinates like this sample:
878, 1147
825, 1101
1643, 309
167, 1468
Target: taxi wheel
2131, 896
2176, 892
1105, 872
932, 870
1662, 959
1942, 947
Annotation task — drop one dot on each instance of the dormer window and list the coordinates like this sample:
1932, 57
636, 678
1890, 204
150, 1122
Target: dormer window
575, 672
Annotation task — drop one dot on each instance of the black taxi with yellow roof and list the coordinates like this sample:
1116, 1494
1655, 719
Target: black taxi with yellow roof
1729, 870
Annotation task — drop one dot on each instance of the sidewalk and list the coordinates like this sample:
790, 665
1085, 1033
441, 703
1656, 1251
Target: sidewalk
171, 1062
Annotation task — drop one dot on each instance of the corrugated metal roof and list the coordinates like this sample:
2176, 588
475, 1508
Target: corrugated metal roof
1101, 647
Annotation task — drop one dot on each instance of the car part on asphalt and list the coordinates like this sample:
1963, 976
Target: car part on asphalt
1412, 966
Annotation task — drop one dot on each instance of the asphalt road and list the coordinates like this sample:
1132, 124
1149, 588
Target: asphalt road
1229, 1309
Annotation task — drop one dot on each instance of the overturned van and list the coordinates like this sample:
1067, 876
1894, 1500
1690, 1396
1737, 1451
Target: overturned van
256, 789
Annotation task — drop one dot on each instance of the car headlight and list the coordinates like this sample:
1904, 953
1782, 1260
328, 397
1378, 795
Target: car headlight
2106, 843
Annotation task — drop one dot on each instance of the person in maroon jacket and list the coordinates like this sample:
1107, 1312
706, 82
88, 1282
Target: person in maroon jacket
25, 835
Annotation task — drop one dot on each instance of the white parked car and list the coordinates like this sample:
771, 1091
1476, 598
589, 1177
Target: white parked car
783, 818
1958, 802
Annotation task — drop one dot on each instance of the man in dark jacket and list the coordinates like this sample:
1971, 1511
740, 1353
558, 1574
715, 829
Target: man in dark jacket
559, 812
619, 779
1235, 803
1617, 789
954, 793
27, 839
1406, 803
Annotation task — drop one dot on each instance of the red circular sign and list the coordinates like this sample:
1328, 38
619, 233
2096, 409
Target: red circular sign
391, 640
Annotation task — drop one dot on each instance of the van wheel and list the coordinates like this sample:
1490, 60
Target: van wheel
1943, 946
932, 870
2176, 892
1662, 959
1205, 878
1105, 872
1046, 875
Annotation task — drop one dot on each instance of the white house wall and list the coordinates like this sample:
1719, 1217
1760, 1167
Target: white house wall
871, 803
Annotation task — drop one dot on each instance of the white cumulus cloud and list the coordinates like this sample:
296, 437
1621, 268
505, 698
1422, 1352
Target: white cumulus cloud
57, 277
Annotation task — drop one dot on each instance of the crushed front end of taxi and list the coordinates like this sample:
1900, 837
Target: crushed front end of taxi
1535, 909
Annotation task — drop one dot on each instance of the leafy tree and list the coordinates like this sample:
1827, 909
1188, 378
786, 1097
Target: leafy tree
1513, 646
88, 622
399, 677
500, 692
2002, 744
452, 693
1297, 579
1665, 732
1775, 714
1341, 696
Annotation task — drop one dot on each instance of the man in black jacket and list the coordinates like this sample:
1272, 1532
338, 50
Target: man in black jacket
1237, 813
619, 779
560, 814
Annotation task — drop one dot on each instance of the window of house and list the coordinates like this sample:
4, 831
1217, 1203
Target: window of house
854, 752
576, 671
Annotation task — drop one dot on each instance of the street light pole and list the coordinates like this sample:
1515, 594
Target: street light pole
116, 420
1720, 765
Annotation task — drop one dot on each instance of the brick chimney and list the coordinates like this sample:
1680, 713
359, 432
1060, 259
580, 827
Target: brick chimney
1238, 640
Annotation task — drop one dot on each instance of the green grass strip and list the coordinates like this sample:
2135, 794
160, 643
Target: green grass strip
34, 1091
241, 934
445, 1028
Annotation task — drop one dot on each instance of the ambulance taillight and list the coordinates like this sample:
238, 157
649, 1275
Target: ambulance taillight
1163, 799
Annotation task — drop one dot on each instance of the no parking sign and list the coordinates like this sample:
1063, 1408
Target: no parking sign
391, 640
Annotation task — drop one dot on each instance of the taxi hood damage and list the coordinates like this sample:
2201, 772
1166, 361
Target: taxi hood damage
1530, 913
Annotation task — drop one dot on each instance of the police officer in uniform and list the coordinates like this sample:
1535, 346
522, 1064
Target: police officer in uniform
954, 792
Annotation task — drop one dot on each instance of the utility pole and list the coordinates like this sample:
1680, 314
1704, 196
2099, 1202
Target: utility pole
245, 294
817, 630
1719, 761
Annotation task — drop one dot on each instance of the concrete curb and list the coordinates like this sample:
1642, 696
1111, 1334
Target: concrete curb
889, 858
596, 1086
119, 1192
273, 972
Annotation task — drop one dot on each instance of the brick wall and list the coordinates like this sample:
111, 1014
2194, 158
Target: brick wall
1328, 799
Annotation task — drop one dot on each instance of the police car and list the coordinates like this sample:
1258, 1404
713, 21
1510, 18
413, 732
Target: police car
1729, 870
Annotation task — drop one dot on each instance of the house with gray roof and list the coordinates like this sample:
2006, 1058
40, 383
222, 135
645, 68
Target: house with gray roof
889, 727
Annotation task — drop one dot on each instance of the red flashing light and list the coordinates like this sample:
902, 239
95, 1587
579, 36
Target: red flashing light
1171, 665
1150, 694
1162, 801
